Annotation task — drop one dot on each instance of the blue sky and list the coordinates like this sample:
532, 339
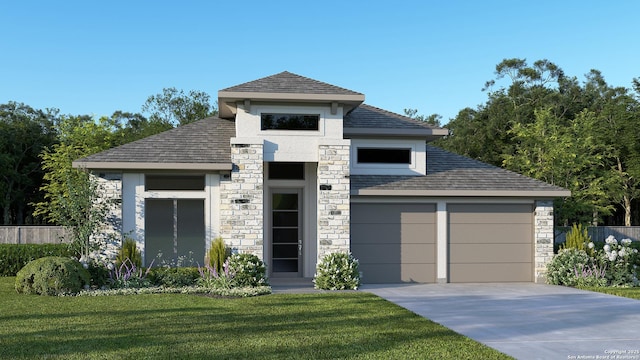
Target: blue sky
95, 57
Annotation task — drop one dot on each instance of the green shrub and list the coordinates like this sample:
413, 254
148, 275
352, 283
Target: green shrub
129, 250
337, 271
14, 257
577, 238
247, 270
128, 275
561, 270
218, 254
52, 275
99, 274
174, 277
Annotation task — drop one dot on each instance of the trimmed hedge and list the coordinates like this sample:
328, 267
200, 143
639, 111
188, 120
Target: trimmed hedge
14, 257
52, 275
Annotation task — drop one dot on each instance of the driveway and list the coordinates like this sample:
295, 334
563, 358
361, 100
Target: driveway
528, 321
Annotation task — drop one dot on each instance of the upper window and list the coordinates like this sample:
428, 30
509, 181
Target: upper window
289, 122
286, 171
384, 156
174, 182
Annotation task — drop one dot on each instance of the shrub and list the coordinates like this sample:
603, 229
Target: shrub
52, 275
14, 257
247, 270
99, 274
337, 271
561, 270
218, 254
621, 262
174, 277
577, 238
212, 279
129, 250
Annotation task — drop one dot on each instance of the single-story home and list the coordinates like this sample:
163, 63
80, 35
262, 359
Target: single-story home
293, 169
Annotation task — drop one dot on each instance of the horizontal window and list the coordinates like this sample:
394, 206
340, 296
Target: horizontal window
289, 122
384, 156
174, 182
286, 171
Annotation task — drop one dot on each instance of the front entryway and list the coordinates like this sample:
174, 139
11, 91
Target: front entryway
286, 232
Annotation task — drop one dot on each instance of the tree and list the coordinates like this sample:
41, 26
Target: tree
174, 107
24, 133
433, 119
130, 127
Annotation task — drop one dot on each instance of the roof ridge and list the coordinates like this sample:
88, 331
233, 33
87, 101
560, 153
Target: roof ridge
287, 75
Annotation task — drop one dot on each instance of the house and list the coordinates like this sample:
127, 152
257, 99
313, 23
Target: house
294, 168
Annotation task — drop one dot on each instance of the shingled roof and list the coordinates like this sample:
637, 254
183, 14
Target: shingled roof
201, 145
370, 120
286, 82
450, 174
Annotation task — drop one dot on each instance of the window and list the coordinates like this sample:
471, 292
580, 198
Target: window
174, 182
286, 171
384, 156
289, 122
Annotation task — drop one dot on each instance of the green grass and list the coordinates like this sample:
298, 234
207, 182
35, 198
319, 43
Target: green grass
632, 293
354, 325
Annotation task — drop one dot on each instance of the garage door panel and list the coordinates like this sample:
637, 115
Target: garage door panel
490, 273
386, 233
392, 213
491, 253
490, 214
394, 254
498, 233
396, 273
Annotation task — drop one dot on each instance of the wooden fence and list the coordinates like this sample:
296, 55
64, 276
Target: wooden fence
599, 233
31, 234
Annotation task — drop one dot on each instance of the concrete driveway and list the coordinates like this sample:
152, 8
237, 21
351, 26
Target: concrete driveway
528, 321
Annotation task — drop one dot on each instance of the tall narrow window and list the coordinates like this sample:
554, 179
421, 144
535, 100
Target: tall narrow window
289, 122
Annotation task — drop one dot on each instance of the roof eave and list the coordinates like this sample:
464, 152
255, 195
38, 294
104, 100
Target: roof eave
227, 100
465, 193
429, 134
100, 165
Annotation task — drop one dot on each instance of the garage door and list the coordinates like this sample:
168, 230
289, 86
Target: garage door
394, 242
490, 242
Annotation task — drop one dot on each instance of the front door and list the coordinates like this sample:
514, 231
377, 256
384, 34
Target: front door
286, 232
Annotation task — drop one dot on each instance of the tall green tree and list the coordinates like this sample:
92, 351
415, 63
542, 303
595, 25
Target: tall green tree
433, 119
24, 133
175, 107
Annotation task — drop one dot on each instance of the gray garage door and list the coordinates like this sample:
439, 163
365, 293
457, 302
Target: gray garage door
394, 242
490, 242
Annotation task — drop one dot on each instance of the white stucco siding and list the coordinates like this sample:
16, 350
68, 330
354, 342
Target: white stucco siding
418, 164
290, 145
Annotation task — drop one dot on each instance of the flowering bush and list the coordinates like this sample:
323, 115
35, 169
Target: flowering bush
211, 278
616, 264
128, 275
247, 270
561, 270
621, 261
337, 271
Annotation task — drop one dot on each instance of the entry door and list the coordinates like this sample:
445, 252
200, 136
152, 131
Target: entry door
286, 232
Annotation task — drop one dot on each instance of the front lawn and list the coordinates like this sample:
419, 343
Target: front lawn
632, 293
177, 326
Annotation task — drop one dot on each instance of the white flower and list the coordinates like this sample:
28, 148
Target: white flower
621, 252
613, 256
625, 241
607, 248
591, 245
610, 239
110, 266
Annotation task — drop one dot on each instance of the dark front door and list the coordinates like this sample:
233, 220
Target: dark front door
286, 232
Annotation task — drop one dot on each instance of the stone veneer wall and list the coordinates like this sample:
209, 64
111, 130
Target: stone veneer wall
110, 236
333, 205
241, 200
543, 238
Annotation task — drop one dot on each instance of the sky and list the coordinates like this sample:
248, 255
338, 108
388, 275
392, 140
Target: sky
96, 57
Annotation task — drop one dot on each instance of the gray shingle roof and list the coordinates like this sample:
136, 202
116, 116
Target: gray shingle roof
367, 116
286, 82
451, 173
203, 141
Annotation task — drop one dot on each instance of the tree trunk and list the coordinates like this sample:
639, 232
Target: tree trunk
627, 210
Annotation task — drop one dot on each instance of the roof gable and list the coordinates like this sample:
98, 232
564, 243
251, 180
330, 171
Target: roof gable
290, 83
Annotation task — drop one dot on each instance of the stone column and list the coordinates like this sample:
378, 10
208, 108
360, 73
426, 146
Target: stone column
333, 198
543, 238
241, 199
